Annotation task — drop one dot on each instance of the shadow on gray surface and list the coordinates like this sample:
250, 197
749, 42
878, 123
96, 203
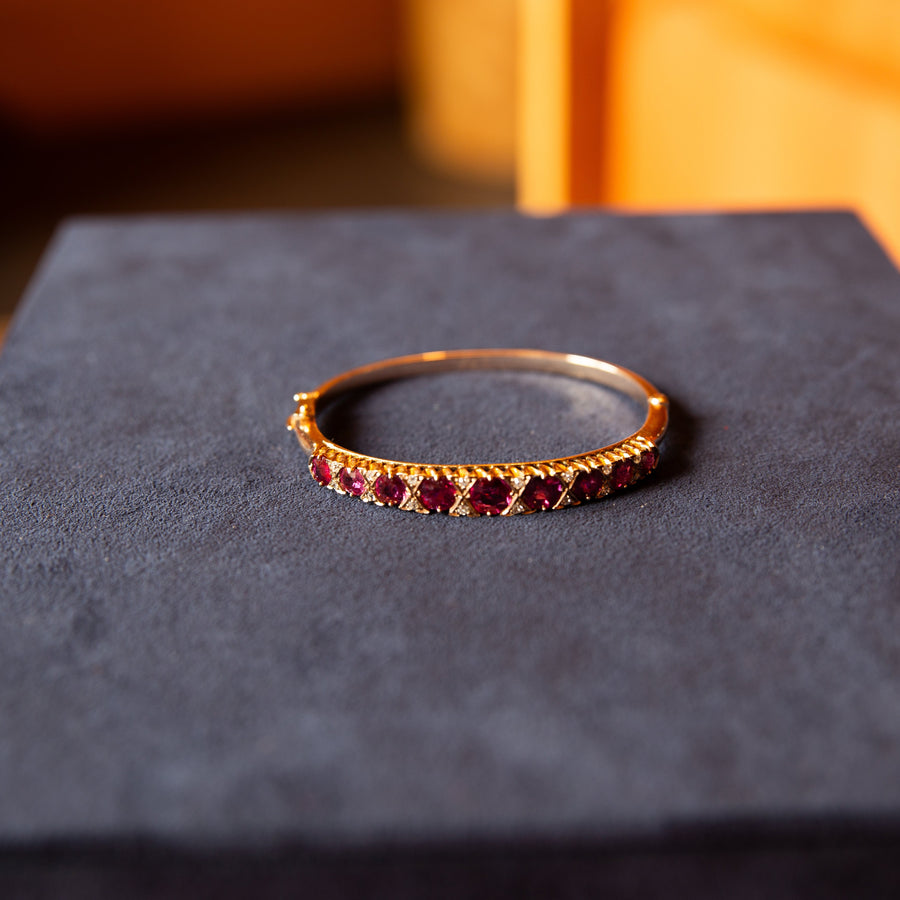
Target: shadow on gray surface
775, 859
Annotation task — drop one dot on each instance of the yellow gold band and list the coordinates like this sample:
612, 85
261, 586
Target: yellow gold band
492, 489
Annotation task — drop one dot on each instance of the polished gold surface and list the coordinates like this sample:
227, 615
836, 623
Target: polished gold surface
556, 481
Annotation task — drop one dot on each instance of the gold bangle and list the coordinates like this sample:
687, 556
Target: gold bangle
492, 489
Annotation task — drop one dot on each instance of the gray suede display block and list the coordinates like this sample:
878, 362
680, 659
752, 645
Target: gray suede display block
219, 679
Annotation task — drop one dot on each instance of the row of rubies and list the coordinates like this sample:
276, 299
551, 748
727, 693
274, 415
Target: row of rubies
503, 490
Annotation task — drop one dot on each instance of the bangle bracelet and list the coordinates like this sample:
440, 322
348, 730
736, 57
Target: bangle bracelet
492, 489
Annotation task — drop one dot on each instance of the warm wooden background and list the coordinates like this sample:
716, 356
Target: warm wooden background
196, 105
641, 105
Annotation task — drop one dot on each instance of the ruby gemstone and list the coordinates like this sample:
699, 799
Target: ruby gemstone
622, 473
320, 469
437, 494
352, 481
649, 459
490, 496
542, 493
587, 485
390, 490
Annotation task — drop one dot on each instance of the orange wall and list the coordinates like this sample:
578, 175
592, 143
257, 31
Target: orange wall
732, 104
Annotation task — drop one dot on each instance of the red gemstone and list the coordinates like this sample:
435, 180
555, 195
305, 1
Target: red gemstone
320, 469
542, 493
352, 481
649, 459
390, 490
587, 485
622, 473
437, 494
490, 496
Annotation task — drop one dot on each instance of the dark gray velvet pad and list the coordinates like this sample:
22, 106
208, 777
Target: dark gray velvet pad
202, 652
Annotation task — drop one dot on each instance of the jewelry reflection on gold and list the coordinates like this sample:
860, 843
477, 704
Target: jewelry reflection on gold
484, 489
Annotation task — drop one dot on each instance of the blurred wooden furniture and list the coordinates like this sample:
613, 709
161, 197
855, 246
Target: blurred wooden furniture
687, 104
461, 85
